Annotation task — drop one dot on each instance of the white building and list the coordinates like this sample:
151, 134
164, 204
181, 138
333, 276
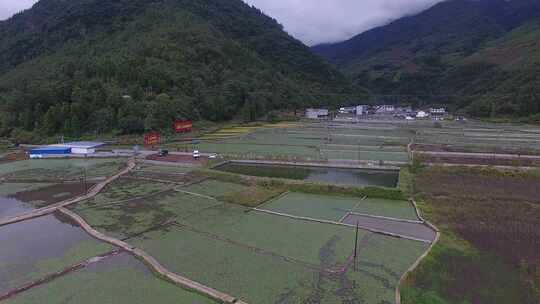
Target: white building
316, 113
404, 110
437, 111
347, 110
81, 147
385, 109
362, 110
422, 114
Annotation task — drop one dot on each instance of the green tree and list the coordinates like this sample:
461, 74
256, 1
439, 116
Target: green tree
159, 113
103, 120
53, 119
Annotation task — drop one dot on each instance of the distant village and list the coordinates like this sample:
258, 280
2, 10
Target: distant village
380, 112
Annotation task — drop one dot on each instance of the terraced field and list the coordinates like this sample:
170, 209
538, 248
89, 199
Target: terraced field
241, 237
312, 142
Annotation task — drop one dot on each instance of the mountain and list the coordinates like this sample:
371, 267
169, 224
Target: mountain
477, 55
83, 66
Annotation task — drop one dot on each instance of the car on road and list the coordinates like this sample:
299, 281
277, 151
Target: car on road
163, 152
196, 154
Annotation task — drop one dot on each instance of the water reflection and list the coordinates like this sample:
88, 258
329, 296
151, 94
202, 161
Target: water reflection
24, 245
357, 177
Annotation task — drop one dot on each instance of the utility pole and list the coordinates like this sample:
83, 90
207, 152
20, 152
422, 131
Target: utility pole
84, 182
355, 245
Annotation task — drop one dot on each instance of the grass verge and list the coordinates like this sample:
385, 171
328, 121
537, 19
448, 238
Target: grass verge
405, 182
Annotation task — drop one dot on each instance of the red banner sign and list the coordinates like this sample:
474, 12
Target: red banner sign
152, 138
182, 126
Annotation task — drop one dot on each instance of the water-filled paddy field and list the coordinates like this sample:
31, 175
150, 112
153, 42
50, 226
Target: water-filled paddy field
36, 248
356, 177
194, 228
253, 255
60, 169
334, 208
120, 279
31, 184
293, 247
50, 259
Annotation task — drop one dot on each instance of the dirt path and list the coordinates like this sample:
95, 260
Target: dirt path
54, 207
152, 262
478, 155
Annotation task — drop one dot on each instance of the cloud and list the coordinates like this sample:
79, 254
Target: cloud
318, 21
10, 7
311, 21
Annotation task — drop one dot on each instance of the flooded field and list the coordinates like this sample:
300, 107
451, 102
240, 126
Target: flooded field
120, 279
357, 177
40, 247
334, 208
60, 169
12, 206
16, 198
194, 231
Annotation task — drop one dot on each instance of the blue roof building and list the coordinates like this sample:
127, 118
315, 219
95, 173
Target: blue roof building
40, 152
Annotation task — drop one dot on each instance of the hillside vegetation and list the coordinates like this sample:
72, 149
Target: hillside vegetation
481, 57
85, 66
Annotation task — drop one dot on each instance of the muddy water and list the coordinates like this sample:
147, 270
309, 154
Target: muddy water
357, 177
10, 207
25, 245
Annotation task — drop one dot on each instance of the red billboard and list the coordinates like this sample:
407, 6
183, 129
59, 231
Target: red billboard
183, 126
152, 138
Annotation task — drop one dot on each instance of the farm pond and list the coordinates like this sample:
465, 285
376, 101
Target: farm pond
343, 176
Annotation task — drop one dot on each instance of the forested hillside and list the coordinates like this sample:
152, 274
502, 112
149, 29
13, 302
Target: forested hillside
478, 56
82, 66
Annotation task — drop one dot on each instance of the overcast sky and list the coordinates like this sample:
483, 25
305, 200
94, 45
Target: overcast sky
10, 7
312, 21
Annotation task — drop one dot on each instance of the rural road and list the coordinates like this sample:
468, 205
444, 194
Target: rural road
479, 155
